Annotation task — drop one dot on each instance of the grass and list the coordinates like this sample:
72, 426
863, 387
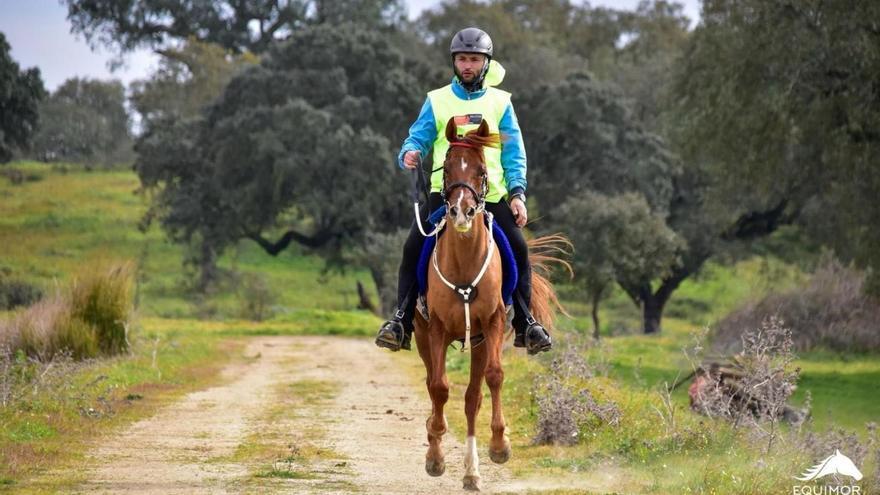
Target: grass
51, 428
50, 227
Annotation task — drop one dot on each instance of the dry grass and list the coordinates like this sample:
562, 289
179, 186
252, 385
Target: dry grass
88, 319
831, 311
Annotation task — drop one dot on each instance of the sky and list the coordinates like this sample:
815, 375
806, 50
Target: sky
40, 36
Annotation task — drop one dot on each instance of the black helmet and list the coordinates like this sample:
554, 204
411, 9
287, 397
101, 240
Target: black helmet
471, 40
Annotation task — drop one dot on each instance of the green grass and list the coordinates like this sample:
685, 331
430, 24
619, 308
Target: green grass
51, 227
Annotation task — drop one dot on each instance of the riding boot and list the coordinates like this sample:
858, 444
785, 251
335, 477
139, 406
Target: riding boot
528, 332
393, 335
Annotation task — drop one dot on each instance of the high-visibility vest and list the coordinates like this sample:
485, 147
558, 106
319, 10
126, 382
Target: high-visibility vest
491, 106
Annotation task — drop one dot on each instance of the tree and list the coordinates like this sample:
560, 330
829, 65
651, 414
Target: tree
300, 148
239, 26
84, 120
586, 141
617, 238
585, 138
20, 93
187, 80
778, 102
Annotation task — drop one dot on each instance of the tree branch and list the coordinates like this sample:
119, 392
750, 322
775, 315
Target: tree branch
273, 248
758, 223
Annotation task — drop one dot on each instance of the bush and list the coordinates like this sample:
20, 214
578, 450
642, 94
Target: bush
831, 311
14, 293
565, 407
257, 297
102, 298
91, 318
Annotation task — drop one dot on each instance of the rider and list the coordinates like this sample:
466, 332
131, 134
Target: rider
471, 95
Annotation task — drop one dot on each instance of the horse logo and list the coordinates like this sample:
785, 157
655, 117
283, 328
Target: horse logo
836, 463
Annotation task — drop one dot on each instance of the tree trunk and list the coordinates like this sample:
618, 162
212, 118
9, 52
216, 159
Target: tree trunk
596, 296
207, 267
652, 313
387, 295
364, 301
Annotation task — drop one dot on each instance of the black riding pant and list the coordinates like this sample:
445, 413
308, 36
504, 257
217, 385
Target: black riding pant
407, 284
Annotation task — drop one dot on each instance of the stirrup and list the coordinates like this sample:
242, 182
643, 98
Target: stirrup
533, 344
392, 335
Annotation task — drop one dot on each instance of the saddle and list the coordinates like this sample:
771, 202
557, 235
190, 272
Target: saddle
509, 278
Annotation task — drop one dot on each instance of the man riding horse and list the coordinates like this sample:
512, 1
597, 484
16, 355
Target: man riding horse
470, 98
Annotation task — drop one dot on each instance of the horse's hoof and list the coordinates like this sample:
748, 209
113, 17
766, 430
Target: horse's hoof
501, 456
435, 468
472, 483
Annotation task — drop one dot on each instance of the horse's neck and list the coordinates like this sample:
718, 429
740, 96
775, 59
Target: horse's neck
464, 252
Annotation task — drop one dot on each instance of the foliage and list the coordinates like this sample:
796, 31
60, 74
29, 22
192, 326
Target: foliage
251, 25
778, 102
188, 79
20, 93
14, 293
257, 297
84, 120
617, 238
297, 143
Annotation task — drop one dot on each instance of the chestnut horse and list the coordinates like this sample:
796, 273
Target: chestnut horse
466, 257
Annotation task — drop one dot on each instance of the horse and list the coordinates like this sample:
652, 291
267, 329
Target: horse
467, 255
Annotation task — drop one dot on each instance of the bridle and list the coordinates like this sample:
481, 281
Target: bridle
446, 190
466, 292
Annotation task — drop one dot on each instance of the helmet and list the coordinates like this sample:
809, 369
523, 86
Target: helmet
471, 40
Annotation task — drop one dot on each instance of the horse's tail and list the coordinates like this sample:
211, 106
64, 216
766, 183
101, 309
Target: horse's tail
544, 253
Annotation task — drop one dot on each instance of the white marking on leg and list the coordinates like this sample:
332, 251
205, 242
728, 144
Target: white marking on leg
471, 461
463, 164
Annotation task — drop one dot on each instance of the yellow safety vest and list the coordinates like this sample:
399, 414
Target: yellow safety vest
491, 105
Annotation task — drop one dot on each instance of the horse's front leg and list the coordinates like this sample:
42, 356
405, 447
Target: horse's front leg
499, 446
438, 388
473, 398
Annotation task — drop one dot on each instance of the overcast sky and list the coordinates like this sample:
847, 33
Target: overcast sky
40, 36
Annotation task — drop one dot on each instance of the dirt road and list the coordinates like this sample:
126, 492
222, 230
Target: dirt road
302, 415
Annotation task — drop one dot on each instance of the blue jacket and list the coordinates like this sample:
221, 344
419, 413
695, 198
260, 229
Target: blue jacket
423, 133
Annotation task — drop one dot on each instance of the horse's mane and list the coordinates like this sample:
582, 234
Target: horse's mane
474, 139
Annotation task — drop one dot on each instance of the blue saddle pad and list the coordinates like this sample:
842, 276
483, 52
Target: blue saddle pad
508, 263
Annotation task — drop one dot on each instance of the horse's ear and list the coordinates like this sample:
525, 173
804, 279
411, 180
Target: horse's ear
451, 130
483, 130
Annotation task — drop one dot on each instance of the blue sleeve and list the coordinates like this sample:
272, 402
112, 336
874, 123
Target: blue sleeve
422, 133
513, 152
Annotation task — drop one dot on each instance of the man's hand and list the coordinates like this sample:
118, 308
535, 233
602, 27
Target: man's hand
519, 211
411, 159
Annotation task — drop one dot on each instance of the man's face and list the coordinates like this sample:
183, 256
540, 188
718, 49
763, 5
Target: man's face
468, 65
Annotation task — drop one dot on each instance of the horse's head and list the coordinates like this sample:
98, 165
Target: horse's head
465, 179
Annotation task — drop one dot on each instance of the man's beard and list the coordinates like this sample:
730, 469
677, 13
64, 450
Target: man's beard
476, 82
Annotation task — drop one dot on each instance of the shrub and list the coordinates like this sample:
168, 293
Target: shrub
102, 298
831, 311
91, 318
14, 293
257, 297
564, 405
